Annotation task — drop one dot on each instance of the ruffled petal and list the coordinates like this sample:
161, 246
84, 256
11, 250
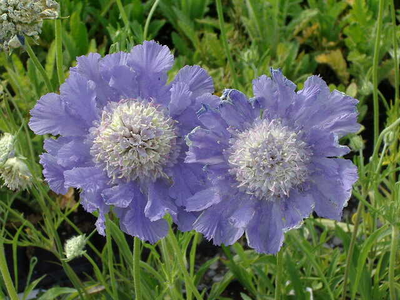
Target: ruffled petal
244, 212
274, 94
295, 208
158, 203
134, 222
90, 67
202, 200
63, 154
120, 195
214, 223
197, 80
86, 178
151, 61
151, 57
331, 111
53, 173
204, 147
185, 219
236, 110
324, 144
265, 230
79, 93
181, 98
74, 153
124, 83
333, 179
212, 120
91, 201
52, 115
206, 99
188, 179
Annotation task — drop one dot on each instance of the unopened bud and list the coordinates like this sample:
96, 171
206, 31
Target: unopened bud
16, 174
73, 247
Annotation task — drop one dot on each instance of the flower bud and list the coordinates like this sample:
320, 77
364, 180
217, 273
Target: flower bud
6, 147
16, 174
73, 247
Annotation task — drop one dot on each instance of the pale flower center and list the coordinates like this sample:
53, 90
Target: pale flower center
134, 140
269, 160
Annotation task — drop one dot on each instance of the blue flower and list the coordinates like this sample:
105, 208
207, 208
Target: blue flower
271, 160
121, 129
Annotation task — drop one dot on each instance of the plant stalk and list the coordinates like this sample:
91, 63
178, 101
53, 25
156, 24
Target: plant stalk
351, 248
136, 268
225, 43
147, 24
38, 65
278, 278
375, 72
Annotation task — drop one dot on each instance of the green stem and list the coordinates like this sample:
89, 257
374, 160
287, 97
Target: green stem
193, 253
278, 278
396, 62
225, 44
147, 24
123, 15
392, 262
110, 258
375, 72
351, 248
190, 288
59, 54
6, 274
38, 65
136, 268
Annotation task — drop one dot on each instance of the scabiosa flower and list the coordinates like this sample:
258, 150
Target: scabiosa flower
121, 130
19, 18
271, 160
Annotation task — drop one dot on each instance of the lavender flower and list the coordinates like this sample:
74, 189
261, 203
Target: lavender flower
121, 141
271, 160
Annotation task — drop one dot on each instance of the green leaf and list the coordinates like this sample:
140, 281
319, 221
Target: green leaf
53, 293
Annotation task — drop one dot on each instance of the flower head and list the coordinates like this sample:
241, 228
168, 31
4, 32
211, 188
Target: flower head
73, 247
121, 130
16, 174
19, 18
271, 160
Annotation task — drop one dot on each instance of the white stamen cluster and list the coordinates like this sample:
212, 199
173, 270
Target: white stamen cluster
268, 160
20, 18
134, 140
16, 174
74, 247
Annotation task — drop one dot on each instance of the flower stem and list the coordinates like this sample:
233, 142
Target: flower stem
225, 43
136, 268
59, 54
395, 59
38, 65
110, 258
190, 287
351, 248
392, 262
147, 24
278, 278
375, 72
123, 15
